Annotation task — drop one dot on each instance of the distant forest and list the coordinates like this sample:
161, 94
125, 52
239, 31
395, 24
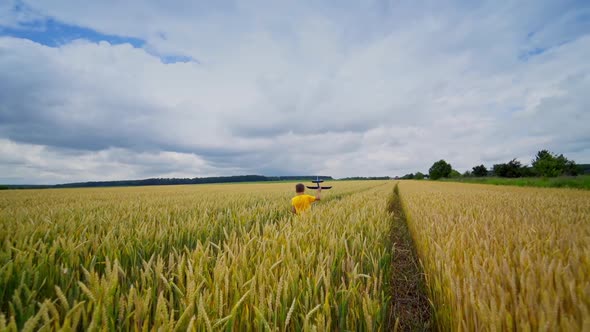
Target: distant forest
366, 178
171, 181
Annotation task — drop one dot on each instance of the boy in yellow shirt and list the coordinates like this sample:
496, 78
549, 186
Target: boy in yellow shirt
302, 202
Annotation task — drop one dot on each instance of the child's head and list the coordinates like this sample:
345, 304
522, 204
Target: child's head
299, 188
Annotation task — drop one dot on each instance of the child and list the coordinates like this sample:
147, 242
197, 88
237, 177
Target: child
302, 202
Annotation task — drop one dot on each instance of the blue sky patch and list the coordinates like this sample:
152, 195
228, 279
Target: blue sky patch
53, 34
176, 58
524, 56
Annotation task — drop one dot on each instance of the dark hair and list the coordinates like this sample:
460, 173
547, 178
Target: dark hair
299, 188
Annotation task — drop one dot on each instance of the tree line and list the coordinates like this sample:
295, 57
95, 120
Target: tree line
171, 181
364, 178
544, 164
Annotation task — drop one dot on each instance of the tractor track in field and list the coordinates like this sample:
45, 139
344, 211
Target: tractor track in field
410, 308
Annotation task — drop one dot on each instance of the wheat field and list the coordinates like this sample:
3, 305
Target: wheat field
232, 257
207, 257
503, 258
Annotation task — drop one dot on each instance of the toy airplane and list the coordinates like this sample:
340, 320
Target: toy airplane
317, 181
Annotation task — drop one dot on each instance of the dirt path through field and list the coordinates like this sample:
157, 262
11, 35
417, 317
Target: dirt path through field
410, 310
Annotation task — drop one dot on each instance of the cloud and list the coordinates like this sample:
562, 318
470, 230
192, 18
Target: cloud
372, 88
21, 162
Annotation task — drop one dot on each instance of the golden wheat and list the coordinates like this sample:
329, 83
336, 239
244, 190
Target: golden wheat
503, 258
210, 257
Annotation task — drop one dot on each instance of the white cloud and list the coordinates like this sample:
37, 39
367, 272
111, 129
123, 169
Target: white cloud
19, 163
373, 89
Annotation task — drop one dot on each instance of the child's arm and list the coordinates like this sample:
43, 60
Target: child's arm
318, 196
293, 209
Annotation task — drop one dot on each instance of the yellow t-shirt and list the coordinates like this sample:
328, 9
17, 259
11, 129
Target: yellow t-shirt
302, 202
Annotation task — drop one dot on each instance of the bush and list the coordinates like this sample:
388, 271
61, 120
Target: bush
419, 176
454, 174
440, 169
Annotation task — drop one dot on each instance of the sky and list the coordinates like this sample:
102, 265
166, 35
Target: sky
113, 90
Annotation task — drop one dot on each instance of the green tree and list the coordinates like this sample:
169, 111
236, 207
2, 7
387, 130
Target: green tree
480, 171
440, 169
419, 176
551, 165
513, 169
